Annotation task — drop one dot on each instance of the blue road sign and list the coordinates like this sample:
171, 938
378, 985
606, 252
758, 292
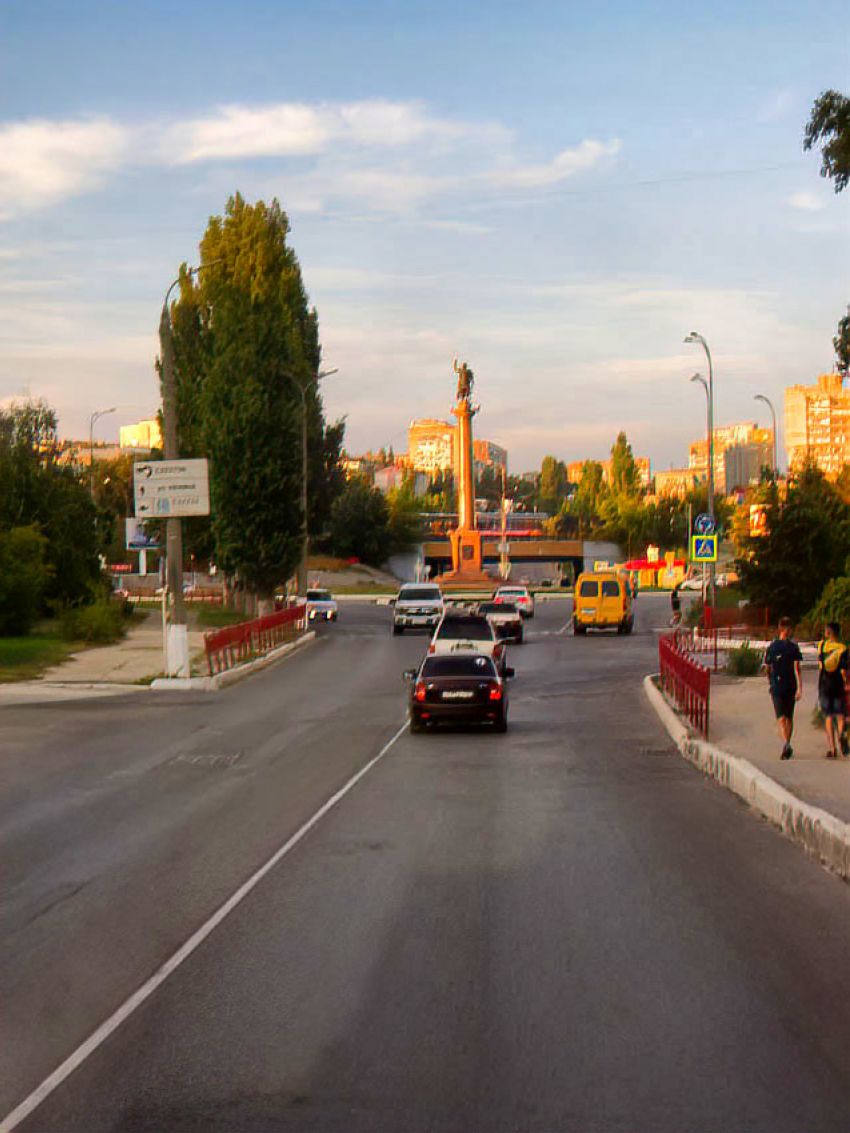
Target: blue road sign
704, 548
704, 524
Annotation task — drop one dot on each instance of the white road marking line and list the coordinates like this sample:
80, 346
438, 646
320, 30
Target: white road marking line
98, 1037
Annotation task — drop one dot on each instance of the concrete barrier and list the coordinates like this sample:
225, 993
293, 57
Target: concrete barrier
821, 833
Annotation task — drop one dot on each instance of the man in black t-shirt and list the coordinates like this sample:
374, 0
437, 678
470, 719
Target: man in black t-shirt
785, 678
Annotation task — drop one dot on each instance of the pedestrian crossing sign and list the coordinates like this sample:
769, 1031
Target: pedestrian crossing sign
703, 548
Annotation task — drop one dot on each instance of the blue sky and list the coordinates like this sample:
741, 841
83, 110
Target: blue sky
556, 192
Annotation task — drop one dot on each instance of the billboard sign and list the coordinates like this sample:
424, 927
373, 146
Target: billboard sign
138, 536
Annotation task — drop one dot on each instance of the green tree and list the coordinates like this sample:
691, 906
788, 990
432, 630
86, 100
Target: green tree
625, 475
587, 499
36, 489
829, 124
24, 577
360, 523
246, 340
806, 545
404, 522
841, 345
554, 484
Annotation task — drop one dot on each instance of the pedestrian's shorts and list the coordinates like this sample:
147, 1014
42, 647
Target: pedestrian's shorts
832, 704
783, 704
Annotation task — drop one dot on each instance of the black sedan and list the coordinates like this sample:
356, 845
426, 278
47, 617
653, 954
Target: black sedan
457, 689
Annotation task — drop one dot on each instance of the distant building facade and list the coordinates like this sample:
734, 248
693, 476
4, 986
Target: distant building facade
676, 482
488, 455
727, 436
394, 476
742, 465
431, 446
817, 424
144, 435
80, 454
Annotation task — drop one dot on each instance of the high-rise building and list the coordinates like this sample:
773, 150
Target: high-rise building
817, 424
431, 445
487, 455
144, 435
742, 464
743, 433
676, 482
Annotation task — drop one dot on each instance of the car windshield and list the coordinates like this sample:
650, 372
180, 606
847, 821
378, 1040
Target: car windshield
466, 629
497, 608
419, 594
318, 595
588, 589
610, 589
477, 666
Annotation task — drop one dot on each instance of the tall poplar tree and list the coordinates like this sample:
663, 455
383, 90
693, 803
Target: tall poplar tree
246, 341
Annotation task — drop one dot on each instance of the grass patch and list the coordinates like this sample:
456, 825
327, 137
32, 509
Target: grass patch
26, 658
215, 617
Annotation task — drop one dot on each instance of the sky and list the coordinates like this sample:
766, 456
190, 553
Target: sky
555, 192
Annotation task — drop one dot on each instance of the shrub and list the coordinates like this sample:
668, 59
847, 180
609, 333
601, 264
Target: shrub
832, 606
744, 661
24, 576
103, 621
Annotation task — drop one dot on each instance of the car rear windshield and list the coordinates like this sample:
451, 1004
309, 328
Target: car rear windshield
497, 608
318, 595
466, 629
610, 590
516, 592
589, 589
419, 594
477, 666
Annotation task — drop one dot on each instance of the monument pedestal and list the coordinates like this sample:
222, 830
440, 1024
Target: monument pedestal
467, 563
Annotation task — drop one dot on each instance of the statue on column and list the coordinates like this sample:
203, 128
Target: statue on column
465, 380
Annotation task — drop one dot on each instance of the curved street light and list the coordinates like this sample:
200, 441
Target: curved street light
769, 404
94, 417
696, 338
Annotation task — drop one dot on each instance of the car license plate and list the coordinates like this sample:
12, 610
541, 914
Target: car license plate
457, 694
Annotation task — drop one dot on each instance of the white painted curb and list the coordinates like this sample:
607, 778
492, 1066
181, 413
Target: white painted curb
231, 676
821, 833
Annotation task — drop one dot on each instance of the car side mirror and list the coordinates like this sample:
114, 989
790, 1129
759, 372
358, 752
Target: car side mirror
409, 676
509, 672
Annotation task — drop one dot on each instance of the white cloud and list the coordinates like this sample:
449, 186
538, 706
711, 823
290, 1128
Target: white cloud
566, 164
297, 129
807, 202
42, 162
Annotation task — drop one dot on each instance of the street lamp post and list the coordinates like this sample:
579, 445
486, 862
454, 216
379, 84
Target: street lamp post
94, 417
305, 527
769, 404
693, 337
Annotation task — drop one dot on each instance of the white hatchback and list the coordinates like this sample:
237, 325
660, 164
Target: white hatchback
469, 633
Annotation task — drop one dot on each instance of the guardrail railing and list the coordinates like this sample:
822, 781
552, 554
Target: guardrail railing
233, 645
685, 680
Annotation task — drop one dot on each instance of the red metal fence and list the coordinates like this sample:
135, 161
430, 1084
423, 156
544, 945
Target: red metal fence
234, 644
688, 682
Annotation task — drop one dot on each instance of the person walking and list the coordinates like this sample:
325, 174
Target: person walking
783, 662
675, 606
833, 680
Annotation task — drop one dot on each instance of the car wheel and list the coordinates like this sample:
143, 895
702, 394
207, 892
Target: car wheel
416, 726
630, 625
501, 723
397, 629
579, 630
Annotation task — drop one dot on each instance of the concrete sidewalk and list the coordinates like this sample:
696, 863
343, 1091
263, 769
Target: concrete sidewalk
743, 723
106, 669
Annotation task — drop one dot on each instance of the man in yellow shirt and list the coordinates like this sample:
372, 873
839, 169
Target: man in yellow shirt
833, 680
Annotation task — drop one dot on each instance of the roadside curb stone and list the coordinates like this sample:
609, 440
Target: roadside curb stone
821, 833
231, 676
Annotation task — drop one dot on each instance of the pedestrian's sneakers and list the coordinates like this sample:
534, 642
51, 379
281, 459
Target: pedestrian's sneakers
845, 744
787, 752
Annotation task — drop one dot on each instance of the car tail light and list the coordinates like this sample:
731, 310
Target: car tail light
497, 652
419, 691
495, 692
431, 648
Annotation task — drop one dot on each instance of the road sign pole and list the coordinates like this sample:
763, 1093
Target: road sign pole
171, 444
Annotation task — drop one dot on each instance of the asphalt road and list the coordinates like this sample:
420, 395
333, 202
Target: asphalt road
562, 928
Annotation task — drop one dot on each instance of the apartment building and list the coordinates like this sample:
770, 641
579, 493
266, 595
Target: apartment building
726, 437
817, 424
